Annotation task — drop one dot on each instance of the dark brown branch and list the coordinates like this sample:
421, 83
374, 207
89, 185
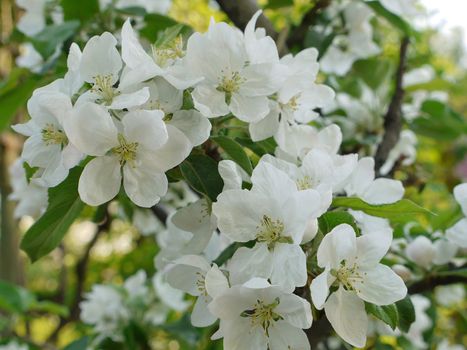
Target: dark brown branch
241, 11
393, 117
431, 282
297, 35
160, 213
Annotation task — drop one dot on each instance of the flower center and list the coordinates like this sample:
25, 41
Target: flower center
292, 104
271, 232
262, 314
126, 151
229, 82
305, 183
166, 53
349, 276
103, 86
201, 284
51, 135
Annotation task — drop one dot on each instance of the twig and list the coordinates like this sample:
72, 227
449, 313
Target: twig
393, 118
297, 36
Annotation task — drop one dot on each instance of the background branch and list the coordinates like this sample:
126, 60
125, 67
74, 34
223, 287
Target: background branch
393, 117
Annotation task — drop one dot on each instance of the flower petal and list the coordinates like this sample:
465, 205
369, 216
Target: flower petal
339, 244
144, 187
383, 191
201, 316
193, 124
319, 288
457, 234
146, 127
249, 109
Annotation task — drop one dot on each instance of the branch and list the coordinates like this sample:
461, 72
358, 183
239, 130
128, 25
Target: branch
393, 118
431, 282
241, 11
297, 36
160, 213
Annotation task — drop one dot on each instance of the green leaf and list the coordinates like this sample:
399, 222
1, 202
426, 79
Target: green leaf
201, 173
399, 211
14, 299
165, 37
267, 146
406, 312
50, 307
156, 23
80, 344
276, 4
332, 219
228, 252
14, 94
64, 207
235, 151
392, 18
47, 41
82, 10
374, 72
439, 121
387, 313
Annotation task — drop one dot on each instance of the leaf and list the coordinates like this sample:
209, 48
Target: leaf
387, 313
155, 23
14, 299
47, 41
399, 211
373, 72
50, 307
201, 173
332, 219
235, 151
406, 312
14, 94
64, 207
267, 146
82, 10
392, 18
80, 344
439, 121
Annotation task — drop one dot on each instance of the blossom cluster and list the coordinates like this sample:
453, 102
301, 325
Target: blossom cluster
128, 112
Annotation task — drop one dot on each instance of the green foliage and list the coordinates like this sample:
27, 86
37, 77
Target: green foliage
387, 313
47, 41
82, 10
406, 313
399, 211
276, 4
80, 344
64, 207
155, 24
235, 151
201, 173
331, 219
374, 71
392, 18
439, 121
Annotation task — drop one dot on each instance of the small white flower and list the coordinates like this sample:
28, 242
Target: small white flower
33, 21
136, 286
260, 316
142, 146
404, 148
195, 276
14, 346
457, 234
274, 214
352, 264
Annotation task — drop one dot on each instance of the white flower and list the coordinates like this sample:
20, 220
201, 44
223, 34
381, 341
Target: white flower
352, 264
29, 58
422, 321
13, 346
103, 308
31, 197
357, 44
195, 276
100, 65
274, 214
232, 175
48, 146
142, 146
164, 61
362, 183
169, 296
298, 96
403, 272
260, 316
368, 223
404, 8
457, 234
231, 82
146, 222
445, 345
33, 21
165, 97
136, 286
189, 231
404, 148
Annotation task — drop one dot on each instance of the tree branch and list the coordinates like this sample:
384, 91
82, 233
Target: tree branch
160, 213
297, 36
393, 118
431, 282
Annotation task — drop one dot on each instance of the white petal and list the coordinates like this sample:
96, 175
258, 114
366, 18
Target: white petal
91, 129
361, 178
100, 180
289, 266
174, 151
284, 336
185, 278
266, 177
143, 186
371, 248
319, 288
247, 263
380, 285
346, 313
339, 244
460, 193
209, 101
231, 174
145, 127
266, 127
457, 234
295, 310
445, 251
193, 124
383, 191
201, 316
71, 156
249, 109
216, 282
130, 100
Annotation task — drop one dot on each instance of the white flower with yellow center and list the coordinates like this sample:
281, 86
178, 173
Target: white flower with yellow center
141, 147
48, 146
275, 215
195, 276
259, 316
352, 265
